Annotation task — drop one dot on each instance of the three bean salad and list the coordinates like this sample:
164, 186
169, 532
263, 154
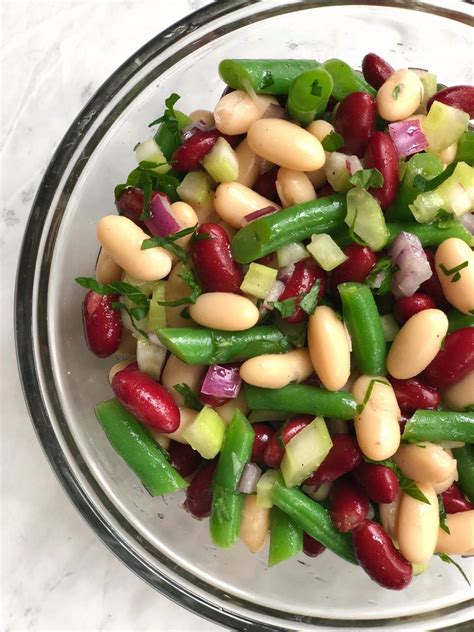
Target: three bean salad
289, 282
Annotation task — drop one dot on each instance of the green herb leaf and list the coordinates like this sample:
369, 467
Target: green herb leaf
135, 313
386, 269
442, 516
332, 142
184, 313
396, 91
132, 292
310, 301
316, 89
445, 558
443, 216
267, 80
147, 187
454, 272
286, 308
367, 179
191, 400
168, 243
368, 393
169, 112
355, 238
420, 183
190, 279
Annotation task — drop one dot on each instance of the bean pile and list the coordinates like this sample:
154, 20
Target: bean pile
289, 282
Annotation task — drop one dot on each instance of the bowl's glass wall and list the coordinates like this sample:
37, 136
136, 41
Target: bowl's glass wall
169, 540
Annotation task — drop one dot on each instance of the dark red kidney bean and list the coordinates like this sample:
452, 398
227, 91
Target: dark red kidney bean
183, 458
199, 493
270, 260
274, 450
402, 422
130, 204
454, 500
304, 276
360, 261
379, 558
381, 154
212, 400
460, 97
348, 505
355, 121
189, 155
311, 547
376, 70
432, 286
313, 380
102, 324
234, 141
379, 482
343, 457
213, 261
146, 399
412, 394
263, 433
453, 361
266, 186
325, 190
408, 306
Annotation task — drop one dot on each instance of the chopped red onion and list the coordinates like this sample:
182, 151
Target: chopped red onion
192, 128
407, 254
379, 279
261, 212
408, 137
249, 479
273, 295
286, 273
153, 338
222, 381
274, 111
467, 220
353, 165
264, 166
161, 221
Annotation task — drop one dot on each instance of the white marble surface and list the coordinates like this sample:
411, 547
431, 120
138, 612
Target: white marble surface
56, 574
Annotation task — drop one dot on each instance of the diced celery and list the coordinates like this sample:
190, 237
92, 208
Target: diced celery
419, 569
150, 151
365, 218
291, 253
157, 313
145, 286
454, 195
443, 125
195, 188
150, 358
267, 415
390, 327
258, 280
221, 162
337, 172
264, 488
326, 252
429, 82
206, 433
305, 452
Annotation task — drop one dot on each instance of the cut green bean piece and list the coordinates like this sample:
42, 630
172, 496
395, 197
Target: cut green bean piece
346, 80
227, 501
309, 95
439, 425
265, 76
271, 232
303, 399
313, 518
286, 537
134, 443
465, 459
458, 320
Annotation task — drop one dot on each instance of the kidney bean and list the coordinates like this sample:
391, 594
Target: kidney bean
379, 558
213, 261
183, 458
379, 482
102, 324
212, 400
376, 70
453, 361
343, 457
381, 154
146, 399
199, 493
325, 190
454, 500
130, 204
355, 121
263, 433
274, 450
408, 306
189, 155
402, 422
311, 547
305, 274
266, 185
356, 267
412, 394
432, 286
461, 97
348, 505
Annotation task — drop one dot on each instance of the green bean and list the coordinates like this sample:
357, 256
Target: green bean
213, 346
466, 148
227, 502
303, 399
365, 327
346, 79
286, 537
265, 76
134, 443
465, 459
313, 518
437, 425
271, 232
309, 95
458, 320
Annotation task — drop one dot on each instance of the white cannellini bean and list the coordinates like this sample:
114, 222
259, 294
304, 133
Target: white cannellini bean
458, 287
294, 187
460, 540
249, 164
233, 201
274, 370
223, 310
327, 340
418, 525
400, 96
236, 111
255, 524
425, 462
107, 270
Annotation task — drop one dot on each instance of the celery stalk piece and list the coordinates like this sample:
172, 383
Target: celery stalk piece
305, 452
157, 313
443, 126
258, 280
291, 253
326, 252
149, 151
429, 82
221, 162
206, 433
365, 218
337, 172
150, 358
196, 188
264, 488
390, 327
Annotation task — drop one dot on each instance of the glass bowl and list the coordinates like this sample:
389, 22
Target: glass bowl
62, 380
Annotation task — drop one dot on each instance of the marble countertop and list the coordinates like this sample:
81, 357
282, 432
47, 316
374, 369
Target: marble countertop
56, 574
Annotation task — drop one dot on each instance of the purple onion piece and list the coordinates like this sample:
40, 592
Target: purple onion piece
408, 255
222, 381
467, 220
274, 111
408, 137
261, 212
161, 221
192, 128
273, 295
249, 479
286, 273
